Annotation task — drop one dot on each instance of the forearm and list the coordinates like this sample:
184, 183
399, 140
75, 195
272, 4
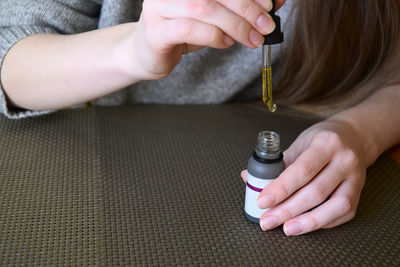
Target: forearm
55, 71
376, 121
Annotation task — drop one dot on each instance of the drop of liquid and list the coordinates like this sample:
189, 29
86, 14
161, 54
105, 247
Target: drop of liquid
272, 107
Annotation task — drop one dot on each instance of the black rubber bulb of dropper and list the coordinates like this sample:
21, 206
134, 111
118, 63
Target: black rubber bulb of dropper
276, 36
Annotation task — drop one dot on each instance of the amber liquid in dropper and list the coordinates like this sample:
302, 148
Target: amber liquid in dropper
267, 88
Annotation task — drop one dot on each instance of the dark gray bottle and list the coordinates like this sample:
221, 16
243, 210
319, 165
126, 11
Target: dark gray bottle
265, 164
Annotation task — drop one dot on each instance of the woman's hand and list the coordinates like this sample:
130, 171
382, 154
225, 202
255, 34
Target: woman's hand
89, 65
321, 186
168, 29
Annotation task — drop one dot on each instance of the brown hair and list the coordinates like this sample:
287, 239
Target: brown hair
341, 52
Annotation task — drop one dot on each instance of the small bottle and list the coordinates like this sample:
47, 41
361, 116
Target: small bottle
265, 164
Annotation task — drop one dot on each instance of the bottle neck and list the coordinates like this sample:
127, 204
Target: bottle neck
268, 145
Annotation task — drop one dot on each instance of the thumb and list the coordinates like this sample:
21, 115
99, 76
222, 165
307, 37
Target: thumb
243, 174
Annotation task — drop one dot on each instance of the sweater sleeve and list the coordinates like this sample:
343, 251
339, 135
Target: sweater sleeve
22, 18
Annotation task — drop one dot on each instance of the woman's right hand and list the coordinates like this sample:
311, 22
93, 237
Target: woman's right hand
89, 65
168, 29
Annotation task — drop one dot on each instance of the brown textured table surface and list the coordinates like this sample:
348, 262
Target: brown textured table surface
160, 185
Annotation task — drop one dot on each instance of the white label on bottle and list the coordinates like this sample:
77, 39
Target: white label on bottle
254, 186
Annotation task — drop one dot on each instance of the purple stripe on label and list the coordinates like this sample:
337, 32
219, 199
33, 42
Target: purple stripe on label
254, 188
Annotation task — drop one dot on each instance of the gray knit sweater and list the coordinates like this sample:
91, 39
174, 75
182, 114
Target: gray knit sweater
208, 76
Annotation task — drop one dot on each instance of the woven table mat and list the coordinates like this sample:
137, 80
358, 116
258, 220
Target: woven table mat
160, 185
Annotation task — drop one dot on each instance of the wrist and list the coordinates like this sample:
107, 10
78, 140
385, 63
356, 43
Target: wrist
368, 143
123, 55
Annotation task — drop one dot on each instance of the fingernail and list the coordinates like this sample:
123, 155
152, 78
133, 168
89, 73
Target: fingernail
228, 40
256, 38
266, 201
268, 223
265, 23
293, 228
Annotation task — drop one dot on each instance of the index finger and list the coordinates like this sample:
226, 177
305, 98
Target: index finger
252, 12
298, 174
215, 13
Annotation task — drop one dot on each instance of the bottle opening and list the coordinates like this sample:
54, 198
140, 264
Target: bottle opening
268, 144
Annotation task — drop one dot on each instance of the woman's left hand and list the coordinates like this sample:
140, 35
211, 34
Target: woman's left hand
321, 186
